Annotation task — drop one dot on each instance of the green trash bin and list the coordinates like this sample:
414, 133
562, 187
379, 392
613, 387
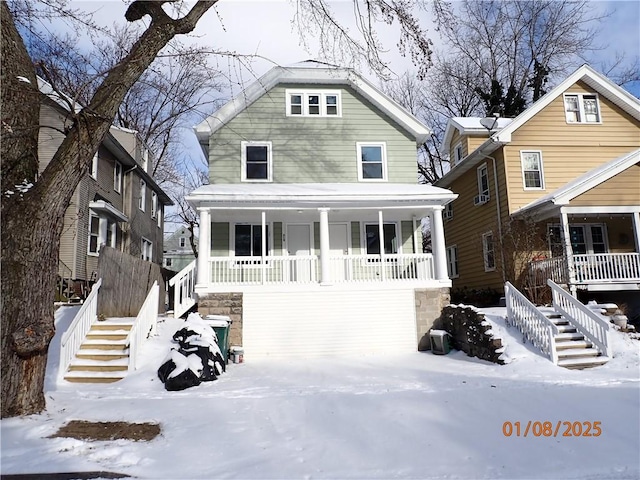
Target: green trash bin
220, 325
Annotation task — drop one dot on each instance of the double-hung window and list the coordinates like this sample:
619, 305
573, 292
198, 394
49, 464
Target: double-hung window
372, 161
117, 177
372, 239
532, 174
182, 242
483, 180
248, 241
257, 162
457, 154
581, 108
154, 204
146, 250
313, 103
452, 261
488, 252
142, 199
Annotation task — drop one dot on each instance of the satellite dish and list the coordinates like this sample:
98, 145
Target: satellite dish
489, 122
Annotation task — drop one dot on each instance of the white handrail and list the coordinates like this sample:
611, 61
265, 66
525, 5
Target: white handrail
587, 322
533, 324
144, 325
77, 331
183, 284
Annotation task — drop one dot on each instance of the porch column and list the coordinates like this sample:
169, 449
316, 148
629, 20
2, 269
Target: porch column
383, 273
204, 251
325, 276
437, 244
568, 251
636, 229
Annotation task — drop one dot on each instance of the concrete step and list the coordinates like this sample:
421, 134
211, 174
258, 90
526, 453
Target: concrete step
580, 363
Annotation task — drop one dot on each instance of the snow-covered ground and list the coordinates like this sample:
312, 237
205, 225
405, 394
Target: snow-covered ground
406, 416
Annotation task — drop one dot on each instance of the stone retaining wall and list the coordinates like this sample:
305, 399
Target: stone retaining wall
229, 304
429, 304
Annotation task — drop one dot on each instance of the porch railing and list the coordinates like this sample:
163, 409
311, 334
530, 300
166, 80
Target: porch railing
589, 268
144, 325
305, 269
583, 319
533, 324
607, 267
183, 284
77, 331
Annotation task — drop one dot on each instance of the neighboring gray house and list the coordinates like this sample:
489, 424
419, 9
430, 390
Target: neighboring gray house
177, 249
312, 218
116, 204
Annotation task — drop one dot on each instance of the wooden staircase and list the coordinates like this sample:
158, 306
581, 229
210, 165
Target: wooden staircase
104, 354
574, 351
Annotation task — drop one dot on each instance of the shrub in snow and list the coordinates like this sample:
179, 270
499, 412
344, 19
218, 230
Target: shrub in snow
197, 359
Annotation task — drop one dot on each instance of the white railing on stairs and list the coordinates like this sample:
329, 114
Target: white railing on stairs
183, 284
587, 322
77, 331
144, 325
533, 324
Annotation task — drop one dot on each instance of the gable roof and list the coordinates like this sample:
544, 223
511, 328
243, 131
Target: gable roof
598, 82
311, 72
470, 126
597, 176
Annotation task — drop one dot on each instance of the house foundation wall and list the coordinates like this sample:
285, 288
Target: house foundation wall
429, 304
229, 304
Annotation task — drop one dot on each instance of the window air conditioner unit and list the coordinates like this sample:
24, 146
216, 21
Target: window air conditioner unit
480, 199
439, 342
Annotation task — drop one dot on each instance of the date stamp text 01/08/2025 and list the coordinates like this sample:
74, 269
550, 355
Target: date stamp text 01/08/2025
550, 429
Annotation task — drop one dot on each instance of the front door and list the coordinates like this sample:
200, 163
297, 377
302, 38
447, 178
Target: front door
339, 246
299, 244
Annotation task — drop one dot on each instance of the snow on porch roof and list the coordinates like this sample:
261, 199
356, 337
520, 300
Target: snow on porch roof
318, 194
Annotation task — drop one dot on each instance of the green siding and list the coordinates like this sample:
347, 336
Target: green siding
316, 149
355, 238
277, 238
407, 236
219, 239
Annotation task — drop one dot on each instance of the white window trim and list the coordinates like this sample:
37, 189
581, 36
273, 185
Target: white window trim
485, 251
160, 215
94, 166
232, 245
154, 204
363, 237
452, 261
243, 155
359, 146
323, 94
117, 177
182, 242
456, 149
145, 158
541, 170
143, 250
479, 179
142, 201
583, 117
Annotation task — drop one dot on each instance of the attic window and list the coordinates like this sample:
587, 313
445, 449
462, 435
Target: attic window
581, 108
313, 103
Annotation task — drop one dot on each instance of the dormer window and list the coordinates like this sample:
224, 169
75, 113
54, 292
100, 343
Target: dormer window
581, 108
313, 103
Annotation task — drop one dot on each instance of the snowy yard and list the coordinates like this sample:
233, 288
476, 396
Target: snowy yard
406, 416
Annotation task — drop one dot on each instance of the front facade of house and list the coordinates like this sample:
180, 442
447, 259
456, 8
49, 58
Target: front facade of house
117, 204
552, 193
313, 217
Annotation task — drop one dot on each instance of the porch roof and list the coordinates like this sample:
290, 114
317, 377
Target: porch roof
317, 195
563, 195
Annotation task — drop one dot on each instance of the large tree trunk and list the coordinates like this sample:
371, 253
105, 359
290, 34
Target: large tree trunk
32, 220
